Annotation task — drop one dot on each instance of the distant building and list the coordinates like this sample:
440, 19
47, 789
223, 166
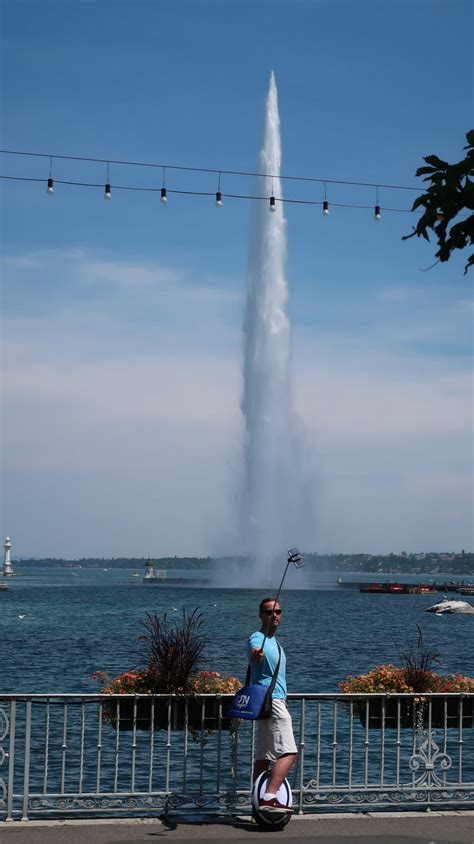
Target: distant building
7, 563
149, 571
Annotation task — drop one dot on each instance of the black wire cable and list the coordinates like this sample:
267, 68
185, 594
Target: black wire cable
207, 170
284, 200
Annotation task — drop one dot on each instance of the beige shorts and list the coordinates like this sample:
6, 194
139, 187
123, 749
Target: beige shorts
275, 734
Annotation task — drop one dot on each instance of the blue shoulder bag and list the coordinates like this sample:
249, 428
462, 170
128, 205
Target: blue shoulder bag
253, 702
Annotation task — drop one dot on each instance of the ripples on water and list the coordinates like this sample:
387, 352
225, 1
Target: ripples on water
57, 627
75, 625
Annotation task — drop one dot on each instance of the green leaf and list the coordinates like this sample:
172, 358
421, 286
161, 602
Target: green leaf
437, 178
470, 262
470, 138
422, 170
459, 230
420, 200
436, 162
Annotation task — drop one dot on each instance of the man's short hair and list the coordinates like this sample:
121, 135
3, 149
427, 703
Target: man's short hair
265, 601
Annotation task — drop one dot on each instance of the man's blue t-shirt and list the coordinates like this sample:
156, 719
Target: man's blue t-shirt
262, 672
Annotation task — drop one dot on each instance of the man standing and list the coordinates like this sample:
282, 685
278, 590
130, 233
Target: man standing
275, 740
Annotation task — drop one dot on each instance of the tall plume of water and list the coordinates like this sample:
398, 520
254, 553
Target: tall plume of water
274, 502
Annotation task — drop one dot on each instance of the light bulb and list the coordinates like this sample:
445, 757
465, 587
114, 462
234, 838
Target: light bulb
218, 199
272, 204
50, 187
377, 214
326, 208
164, 198
108, 192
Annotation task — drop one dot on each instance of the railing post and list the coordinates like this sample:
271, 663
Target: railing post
201, 754
99, 748
152, 744
461, 741
46, 751
351, 740
301, 759
4, 728
11, 761
26, 777
168, 753
64, 750
219, 743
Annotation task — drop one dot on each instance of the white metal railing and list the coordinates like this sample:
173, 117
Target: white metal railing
76, 755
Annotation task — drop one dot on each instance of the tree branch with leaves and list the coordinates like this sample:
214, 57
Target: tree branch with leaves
450, 194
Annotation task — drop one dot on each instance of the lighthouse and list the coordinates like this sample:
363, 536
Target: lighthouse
149, 573
7, 563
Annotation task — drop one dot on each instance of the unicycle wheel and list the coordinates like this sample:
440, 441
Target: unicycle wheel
269, 820
265, 821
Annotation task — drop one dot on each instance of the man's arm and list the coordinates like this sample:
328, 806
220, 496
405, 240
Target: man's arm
255, 652
257, 655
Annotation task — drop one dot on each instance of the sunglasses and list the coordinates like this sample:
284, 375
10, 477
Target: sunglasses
271, 612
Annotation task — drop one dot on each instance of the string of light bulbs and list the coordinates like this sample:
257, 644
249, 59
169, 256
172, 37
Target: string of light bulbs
218, 195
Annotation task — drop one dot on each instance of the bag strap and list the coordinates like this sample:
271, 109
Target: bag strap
275, 673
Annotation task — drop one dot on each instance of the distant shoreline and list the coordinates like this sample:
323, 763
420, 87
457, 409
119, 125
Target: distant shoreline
438, 565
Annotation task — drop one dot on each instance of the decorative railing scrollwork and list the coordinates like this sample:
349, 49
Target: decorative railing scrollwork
4, 727
425, 760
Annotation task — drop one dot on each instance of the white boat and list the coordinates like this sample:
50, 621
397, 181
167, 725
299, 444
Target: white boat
447, 607
3, 586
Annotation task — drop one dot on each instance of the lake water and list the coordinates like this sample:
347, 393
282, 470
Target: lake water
79, 622
58, 626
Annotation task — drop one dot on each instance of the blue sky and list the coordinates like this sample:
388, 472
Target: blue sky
122, 320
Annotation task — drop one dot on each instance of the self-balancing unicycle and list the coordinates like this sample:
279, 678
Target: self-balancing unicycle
271, 820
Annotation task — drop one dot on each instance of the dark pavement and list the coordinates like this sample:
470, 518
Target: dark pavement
414, 828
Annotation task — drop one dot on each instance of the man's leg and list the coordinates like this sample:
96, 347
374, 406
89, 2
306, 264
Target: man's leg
259, 767
279, 772
261, 763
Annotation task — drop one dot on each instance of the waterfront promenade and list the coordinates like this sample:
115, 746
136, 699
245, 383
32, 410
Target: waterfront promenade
382, 828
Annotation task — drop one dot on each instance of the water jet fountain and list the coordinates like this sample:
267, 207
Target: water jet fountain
274, 499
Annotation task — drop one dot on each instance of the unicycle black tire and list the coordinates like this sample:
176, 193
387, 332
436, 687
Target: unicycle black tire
270, 826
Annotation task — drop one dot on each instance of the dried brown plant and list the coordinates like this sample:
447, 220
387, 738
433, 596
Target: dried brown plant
172, 650
419, 663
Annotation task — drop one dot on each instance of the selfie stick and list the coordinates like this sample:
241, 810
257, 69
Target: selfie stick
294, 556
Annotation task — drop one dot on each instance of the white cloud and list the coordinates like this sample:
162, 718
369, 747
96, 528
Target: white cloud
124, 274
122, 423
466, 304
393, 294
41, 258
79, 267
381, 395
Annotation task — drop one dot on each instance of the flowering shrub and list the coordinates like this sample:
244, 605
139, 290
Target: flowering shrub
452, 683
171, 655
129, 682
390, 679
415, 676
212, 682
146, 682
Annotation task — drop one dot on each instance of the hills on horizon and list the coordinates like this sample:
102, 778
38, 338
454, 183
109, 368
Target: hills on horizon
431, 562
